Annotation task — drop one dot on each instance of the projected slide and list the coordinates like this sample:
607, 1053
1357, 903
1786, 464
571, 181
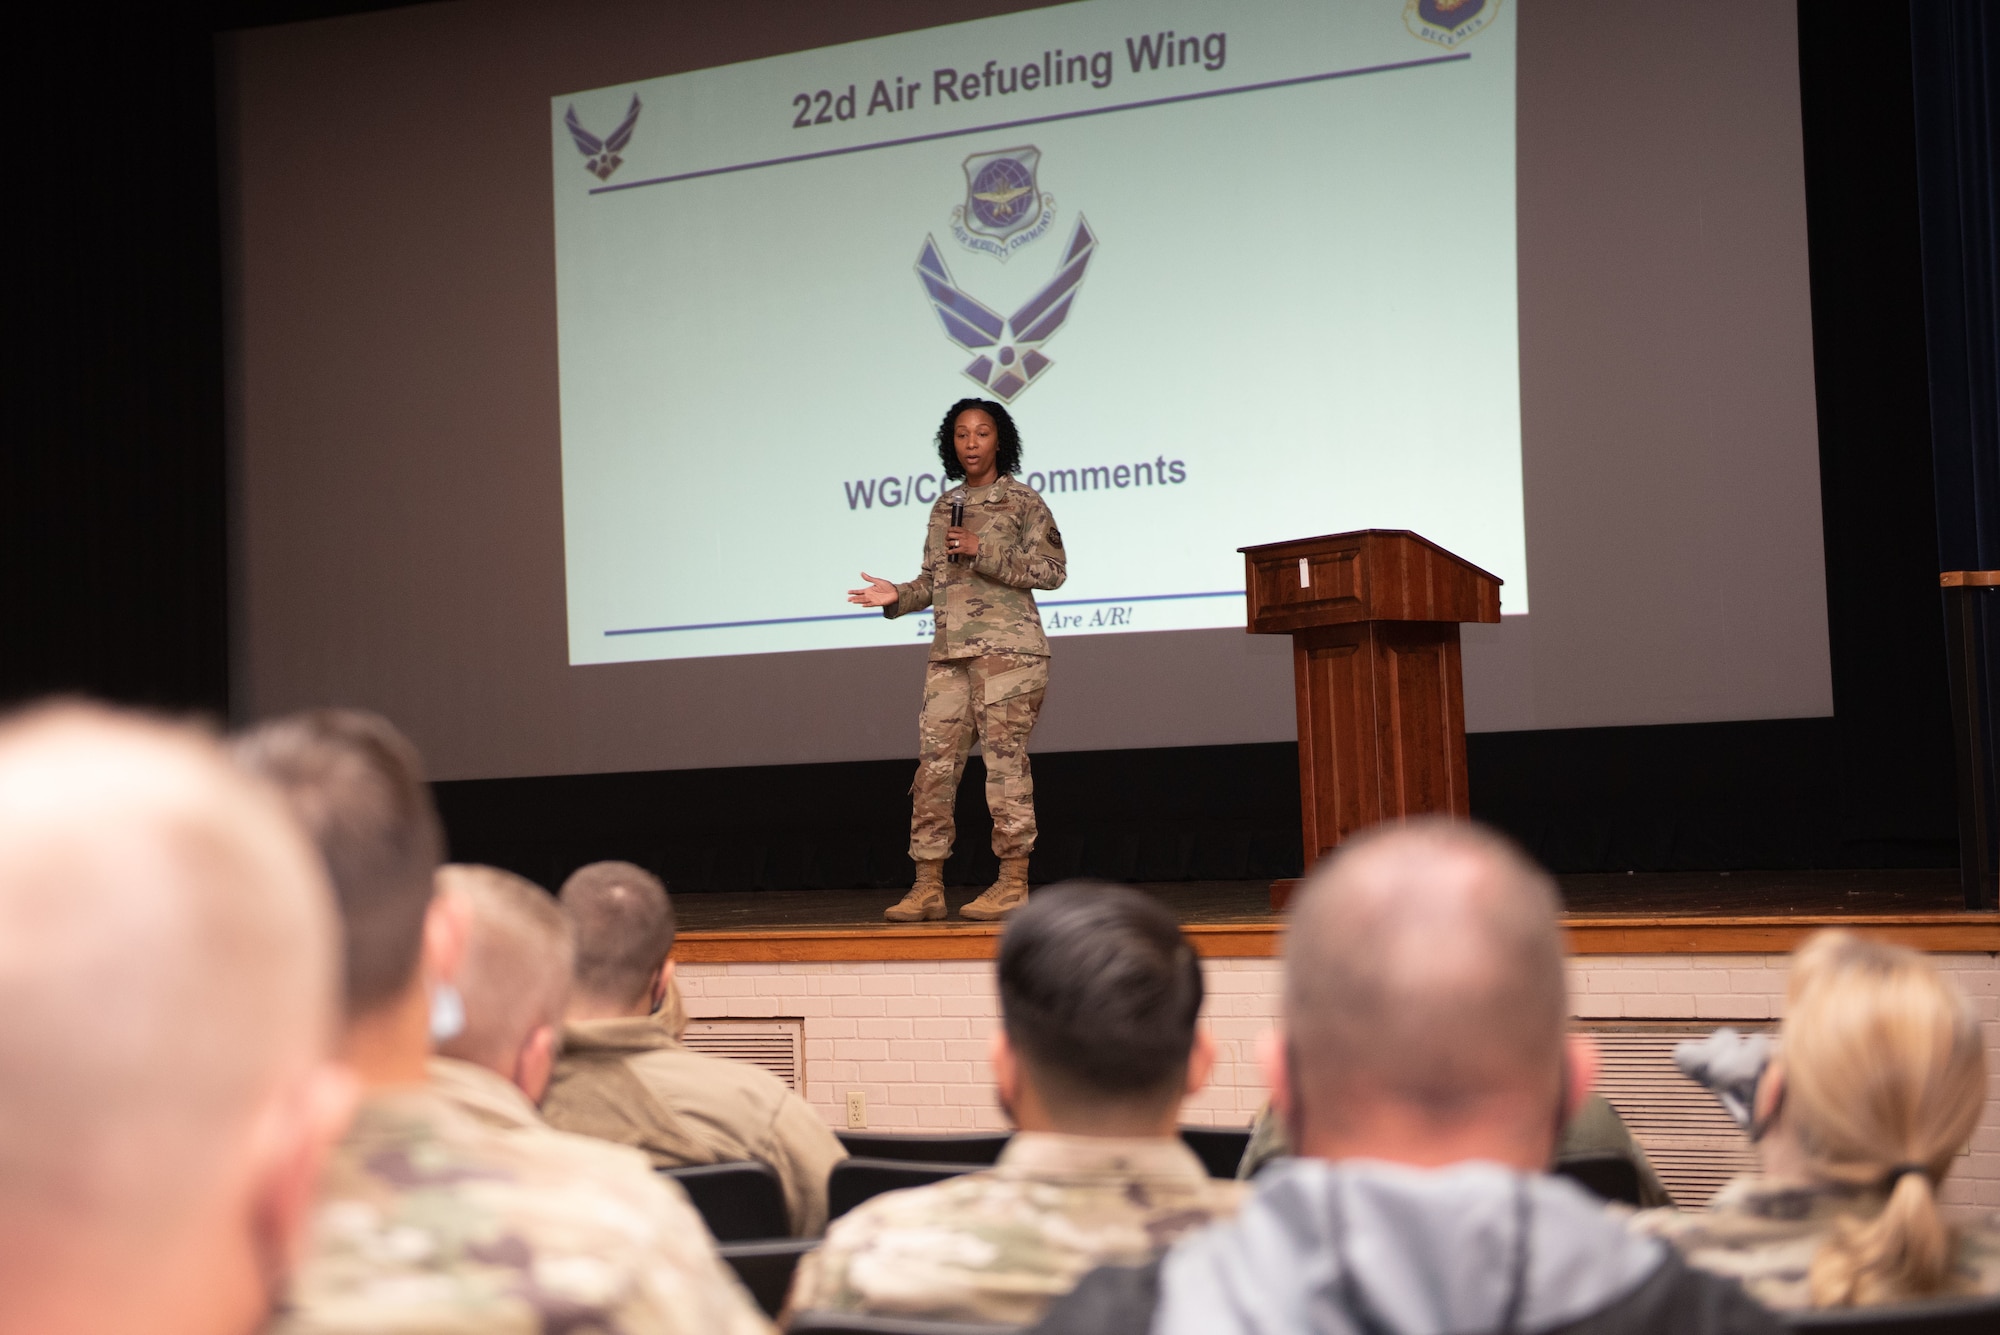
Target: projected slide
1241, 272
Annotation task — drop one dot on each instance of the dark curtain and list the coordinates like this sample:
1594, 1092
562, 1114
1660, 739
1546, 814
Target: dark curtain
1955, 54
1892, 791
1956, 51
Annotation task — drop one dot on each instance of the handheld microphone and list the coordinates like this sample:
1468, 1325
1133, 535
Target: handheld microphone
957, 519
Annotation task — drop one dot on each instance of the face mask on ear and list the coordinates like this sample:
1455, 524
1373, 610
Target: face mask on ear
447, 1013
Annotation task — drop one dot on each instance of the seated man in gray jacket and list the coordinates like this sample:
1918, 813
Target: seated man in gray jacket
1423, 1071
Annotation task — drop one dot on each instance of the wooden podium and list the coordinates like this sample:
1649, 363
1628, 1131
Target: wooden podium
1373, 618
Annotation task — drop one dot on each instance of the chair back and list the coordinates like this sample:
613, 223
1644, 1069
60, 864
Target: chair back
853, 1181
1943, 1316
970, 1147
1612, 1177
766, 1268
849, 1323
739, 1201
1220, 1148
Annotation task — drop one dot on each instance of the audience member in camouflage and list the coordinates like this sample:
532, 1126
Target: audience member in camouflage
433, 1222
989, 657
1879, 1081
515, 978
1000, 1245
1765, 1235
1099, 991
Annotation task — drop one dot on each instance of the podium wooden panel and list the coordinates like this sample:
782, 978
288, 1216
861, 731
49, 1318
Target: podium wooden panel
1374, 619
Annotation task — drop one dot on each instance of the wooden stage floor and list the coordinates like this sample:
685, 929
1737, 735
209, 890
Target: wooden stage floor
1653, 913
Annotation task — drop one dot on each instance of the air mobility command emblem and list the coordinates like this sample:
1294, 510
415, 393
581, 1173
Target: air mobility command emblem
1004, 206
1448, 22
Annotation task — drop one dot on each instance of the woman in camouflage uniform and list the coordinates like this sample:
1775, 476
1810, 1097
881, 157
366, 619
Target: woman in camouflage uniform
989, 659
1879, 1081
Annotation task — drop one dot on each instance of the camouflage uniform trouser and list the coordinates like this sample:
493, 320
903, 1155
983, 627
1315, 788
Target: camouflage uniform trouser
996, 696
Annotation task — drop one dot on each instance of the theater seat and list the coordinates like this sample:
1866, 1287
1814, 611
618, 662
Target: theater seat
853, 1181
1946, 1316
969, 1147
740, 1201
842, 1323
1220, 1148
766, 1268
1612, 1177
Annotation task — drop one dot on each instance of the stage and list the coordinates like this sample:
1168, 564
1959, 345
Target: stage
1747, 912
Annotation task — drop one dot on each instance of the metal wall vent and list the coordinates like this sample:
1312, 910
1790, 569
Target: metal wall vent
777, 1045
1694, 1146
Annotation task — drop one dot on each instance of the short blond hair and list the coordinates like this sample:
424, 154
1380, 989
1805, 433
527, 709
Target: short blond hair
519, 953
1885, 1077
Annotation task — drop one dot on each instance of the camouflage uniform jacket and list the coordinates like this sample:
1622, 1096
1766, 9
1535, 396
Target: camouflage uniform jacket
1764, 1233
632, 1081
1595, 1129
988, 605
1000, 1245
434, 1222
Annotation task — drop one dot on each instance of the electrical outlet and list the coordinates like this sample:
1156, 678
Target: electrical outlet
857, 1110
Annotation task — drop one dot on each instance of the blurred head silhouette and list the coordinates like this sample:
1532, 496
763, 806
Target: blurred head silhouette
167, 999
1425, 1004
356, 785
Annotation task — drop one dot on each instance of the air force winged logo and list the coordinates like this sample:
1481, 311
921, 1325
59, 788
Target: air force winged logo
603, 153
1009, 349
1004, 208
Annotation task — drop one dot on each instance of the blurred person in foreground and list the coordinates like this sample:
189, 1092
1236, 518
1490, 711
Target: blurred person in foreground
625, 1075
431, 1219
1879, 1081
167, 1003
1423, 1071
1098, 1046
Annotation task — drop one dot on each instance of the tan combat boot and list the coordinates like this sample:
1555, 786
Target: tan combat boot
925, 902
1004, 895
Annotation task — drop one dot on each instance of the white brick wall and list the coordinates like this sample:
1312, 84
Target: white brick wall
912, 1035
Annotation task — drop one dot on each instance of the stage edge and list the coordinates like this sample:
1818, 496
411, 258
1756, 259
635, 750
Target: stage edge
1938, 932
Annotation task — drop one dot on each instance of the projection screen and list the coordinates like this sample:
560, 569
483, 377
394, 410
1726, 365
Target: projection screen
1526, 276
1242, 273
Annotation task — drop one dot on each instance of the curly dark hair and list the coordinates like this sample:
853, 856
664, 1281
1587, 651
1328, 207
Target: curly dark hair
1008, 457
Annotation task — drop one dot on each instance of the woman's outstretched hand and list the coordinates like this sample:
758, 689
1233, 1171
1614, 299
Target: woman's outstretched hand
879, 593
